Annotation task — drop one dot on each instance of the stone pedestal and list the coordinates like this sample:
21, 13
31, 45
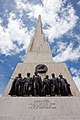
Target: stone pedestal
40, 108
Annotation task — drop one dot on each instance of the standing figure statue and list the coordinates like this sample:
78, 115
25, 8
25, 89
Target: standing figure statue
56, 85
19, 85
37, 84
16, 87
65, 86
52, 85
13, 88
46, 86
28, 86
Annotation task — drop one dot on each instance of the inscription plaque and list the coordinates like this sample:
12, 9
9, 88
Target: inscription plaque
42, 104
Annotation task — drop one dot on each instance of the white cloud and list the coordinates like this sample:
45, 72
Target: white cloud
69, 53
75, 72
63, 25
57, 25
61, 46
77, 37
20, 4
50, 11
77, 81
74, 36
2, 61
76, 76
14, 33
78, 2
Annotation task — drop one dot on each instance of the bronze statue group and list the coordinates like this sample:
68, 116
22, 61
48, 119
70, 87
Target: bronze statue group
35, 86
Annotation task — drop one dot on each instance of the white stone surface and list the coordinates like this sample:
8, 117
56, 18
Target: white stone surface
39, 50
19, 108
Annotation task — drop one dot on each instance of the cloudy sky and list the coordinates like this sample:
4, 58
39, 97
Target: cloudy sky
61, 25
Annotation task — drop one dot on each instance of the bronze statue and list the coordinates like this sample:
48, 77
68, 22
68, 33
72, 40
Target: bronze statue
13, 88
52, 85
28, 85
35, 87
55, 85
37, 84
46, 86
16, 86
65, 86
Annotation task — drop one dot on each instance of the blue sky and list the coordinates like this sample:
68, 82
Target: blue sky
61, 25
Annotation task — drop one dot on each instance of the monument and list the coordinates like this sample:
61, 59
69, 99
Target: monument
49, 106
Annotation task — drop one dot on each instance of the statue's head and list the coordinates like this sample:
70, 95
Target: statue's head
60, 76
35, 73
47, 76
28, 74
53, 75
19, 75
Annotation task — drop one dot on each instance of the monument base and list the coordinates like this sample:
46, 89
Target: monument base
39, 108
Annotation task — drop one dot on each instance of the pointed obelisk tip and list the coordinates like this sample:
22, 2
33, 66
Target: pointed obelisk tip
39, 18
39, 25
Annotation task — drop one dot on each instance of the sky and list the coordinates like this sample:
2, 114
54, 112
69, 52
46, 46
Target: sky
61, 25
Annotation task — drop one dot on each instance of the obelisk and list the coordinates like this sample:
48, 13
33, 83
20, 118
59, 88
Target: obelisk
40, 108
